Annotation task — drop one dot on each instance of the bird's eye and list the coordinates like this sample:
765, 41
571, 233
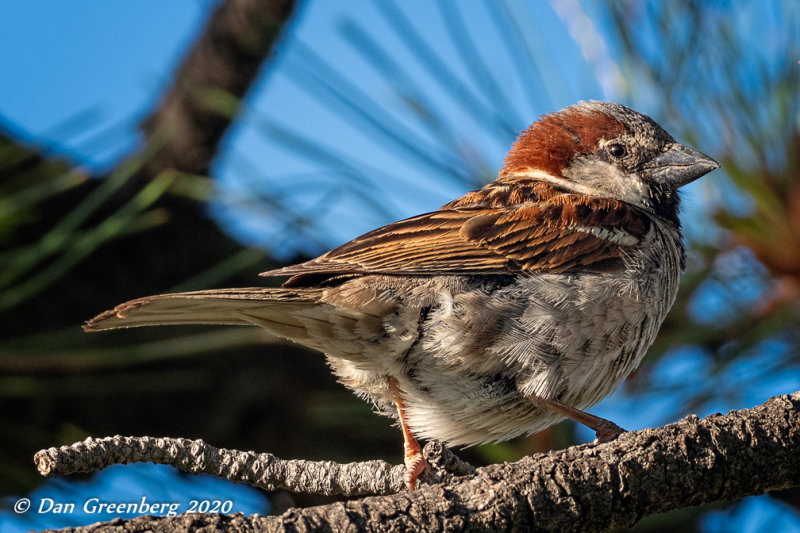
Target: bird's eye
617, 150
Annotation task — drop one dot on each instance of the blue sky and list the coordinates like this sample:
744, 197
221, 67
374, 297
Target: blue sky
82, 74
85, 73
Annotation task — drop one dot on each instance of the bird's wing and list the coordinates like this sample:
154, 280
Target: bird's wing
558, 234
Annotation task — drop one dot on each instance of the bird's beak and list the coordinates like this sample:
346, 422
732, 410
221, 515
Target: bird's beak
679, 165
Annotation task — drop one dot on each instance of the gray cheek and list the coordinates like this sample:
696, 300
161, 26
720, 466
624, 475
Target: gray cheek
605, 179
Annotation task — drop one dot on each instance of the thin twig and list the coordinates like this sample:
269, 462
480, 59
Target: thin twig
262, 470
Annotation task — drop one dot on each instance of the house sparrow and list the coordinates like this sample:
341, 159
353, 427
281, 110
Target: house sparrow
502, 312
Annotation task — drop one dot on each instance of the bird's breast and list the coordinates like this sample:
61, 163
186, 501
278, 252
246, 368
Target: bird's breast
571, 337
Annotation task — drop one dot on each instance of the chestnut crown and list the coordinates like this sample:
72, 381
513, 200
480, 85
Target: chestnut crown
605, 149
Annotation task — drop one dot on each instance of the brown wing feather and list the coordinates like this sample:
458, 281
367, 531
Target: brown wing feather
553, 234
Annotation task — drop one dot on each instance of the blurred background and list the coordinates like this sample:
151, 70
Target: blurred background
152, 146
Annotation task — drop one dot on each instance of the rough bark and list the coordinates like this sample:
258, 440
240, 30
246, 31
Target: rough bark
583, 488
262, 470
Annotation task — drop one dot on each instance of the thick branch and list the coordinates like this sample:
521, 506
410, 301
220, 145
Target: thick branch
184, 131
583, 488
225, 60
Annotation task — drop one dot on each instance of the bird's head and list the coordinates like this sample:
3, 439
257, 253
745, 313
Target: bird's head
608, 150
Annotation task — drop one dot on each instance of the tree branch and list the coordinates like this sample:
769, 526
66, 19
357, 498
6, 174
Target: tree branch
583, 488
186, 129
262, 470
222, 64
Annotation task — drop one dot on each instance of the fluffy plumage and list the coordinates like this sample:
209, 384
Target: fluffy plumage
504, 310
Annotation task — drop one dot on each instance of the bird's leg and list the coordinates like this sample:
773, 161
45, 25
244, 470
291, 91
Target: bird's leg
605, 430
414, 460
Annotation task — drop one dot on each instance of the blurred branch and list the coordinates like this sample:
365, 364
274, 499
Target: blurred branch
71, 245
183, 134
587, 488
219, 70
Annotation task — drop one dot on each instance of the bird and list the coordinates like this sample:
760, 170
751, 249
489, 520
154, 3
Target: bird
506, 310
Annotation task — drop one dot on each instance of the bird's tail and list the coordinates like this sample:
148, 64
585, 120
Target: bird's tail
271, 308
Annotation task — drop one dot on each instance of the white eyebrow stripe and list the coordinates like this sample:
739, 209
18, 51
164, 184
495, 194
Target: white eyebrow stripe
560, 182
615, 235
